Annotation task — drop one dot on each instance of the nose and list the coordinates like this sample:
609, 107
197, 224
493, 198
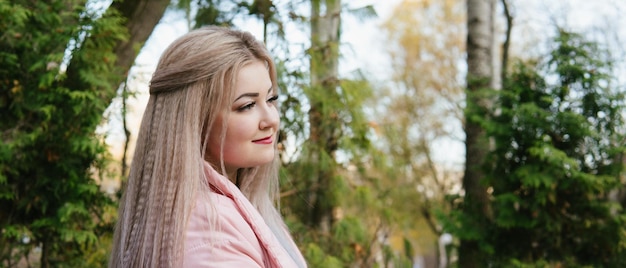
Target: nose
269, 117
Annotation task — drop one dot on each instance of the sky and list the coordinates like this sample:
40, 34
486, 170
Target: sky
363, 48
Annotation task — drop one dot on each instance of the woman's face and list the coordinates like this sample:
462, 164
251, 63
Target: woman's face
252, 121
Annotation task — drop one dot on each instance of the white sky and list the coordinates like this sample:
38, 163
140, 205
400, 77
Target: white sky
363, 48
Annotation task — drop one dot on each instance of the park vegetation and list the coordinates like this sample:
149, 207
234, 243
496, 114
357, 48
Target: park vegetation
542, 184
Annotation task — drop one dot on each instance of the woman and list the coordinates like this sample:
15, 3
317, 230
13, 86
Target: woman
204, 181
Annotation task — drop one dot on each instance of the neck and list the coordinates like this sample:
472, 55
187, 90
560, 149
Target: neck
234, 175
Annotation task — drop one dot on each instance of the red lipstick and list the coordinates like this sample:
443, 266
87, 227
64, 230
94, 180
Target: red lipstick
266, 140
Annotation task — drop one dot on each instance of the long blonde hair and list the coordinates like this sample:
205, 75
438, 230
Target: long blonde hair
193, 82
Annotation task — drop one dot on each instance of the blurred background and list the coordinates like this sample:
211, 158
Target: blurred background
415, 133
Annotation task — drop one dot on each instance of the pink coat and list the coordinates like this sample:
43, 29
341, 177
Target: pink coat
242, 238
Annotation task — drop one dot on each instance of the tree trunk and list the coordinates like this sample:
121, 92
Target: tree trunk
325, 28
479, 76
141, 17
507, 40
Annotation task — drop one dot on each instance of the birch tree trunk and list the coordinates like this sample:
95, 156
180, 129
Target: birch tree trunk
480, 73
324, 131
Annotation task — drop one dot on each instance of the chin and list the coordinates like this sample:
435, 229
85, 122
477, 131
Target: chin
258, 163
267, 157
266, 162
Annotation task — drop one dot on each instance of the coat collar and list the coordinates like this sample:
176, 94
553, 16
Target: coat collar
275, 253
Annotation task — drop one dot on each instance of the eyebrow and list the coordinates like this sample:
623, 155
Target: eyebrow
252, 95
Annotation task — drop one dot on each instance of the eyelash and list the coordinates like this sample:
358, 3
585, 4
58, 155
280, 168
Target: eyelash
273, 99
249, 106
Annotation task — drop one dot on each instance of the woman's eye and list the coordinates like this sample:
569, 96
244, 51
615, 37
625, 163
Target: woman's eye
246, 107
273, 99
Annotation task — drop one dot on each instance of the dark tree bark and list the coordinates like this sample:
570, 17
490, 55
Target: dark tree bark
142, 17
507, 41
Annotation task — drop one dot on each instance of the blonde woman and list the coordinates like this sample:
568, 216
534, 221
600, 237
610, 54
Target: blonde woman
203, 183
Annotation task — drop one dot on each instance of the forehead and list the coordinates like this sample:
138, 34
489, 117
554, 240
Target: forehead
253, 77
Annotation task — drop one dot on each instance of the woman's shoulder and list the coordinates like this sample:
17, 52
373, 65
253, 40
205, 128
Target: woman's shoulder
218, 233
216, 217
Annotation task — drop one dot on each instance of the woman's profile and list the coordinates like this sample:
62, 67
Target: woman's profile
203, 184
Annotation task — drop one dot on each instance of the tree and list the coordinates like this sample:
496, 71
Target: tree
559, 138
324, 133
139, 18
323, 116
61, 66
480, 75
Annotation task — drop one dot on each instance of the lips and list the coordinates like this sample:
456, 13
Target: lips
266, 140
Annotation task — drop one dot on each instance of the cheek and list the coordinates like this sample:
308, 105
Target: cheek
240, 131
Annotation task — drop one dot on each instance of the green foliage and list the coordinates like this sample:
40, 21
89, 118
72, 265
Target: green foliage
316, 257
50, 154
225, 13
558, 134
324, 114
348, 238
